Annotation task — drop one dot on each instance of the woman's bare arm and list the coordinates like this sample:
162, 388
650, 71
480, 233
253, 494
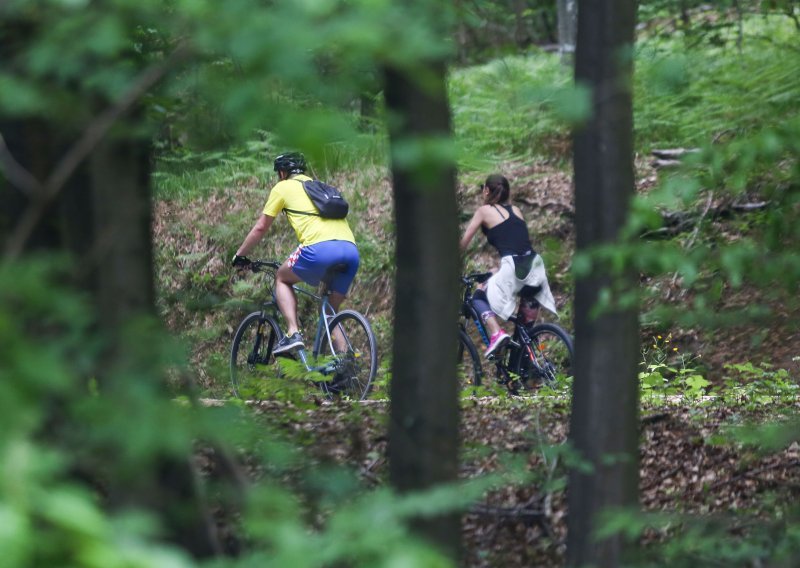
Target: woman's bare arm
472, 228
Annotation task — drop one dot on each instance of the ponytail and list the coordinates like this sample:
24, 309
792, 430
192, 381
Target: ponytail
499, 189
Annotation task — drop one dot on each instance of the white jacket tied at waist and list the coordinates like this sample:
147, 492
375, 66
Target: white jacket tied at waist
503, 287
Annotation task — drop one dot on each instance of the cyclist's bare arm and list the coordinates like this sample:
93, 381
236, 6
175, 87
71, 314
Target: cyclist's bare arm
472, 228
261, 226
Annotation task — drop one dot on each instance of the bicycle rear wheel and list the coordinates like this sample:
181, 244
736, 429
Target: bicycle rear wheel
252, 360
355, 355
548, 356
469, 369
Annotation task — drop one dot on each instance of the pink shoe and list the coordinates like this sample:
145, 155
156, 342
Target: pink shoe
496, 342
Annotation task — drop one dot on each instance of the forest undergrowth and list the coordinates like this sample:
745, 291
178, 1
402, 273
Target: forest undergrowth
708, 382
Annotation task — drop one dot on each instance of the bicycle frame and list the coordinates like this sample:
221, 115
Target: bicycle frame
469, 313
326, 314
520, 339
350, 360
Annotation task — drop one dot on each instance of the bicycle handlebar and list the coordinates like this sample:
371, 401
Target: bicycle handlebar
258, 265
475, 277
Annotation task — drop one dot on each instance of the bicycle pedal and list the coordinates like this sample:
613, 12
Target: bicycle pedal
512, 343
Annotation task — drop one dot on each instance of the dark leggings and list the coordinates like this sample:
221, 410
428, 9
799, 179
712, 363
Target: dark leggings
481, 303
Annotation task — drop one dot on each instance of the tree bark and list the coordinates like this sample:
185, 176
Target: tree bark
603, 428
567, 28
423, 432
122, 248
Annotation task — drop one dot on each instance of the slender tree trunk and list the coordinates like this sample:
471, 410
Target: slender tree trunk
567, 28
604, 422
521, 35
423, 433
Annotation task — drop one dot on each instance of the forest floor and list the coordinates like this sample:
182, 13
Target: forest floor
690, 463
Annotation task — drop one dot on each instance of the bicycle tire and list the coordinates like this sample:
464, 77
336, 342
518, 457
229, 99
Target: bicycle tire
469, 368
356, 356
551, 354
250, 368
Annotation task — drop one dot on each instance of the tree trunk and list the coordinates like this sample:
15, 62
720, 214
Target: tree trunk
604, 421
120, 185
101, 218
521, 35
423, 433
567, 28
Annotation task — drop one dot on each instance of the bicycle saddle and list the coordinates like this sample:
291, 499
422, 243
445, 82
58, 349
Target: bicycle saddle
529, 291
332, 271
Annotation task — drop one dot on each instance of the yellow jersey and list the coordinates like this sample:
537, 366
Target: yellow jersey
310, 229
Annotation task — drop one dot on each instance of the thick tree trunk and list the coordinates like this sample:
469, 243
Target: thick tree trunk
123, 268
101, 217
423, 433
604, 422
122, 249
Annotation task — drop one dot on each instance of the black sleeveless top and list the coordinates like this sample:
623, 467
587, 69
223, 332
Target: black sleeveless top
509, 237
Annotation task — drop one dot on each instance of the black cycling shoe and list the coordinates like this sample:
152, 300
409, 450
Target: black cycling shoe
289, 343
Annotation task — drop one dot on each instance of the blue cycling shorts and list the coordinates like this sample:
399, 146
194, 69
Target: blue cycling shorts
311, 262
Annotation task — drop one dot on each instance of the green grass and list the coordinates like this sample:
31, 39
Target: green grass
520, 107
686, 98
504, 109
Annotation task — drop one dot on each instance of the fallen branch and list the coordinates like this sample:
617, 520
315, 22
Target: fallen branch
670, 157
676, 222
753, 472
653, 418
522, 513
696, 231
673, 153
661, 164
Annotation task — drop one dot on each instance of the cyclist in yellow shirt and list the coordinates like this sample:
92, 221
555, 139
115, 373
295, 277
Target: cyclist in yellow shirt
323, 243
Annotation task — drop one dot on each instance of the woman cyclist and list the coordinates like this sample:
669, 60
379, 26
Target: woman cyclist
520, 268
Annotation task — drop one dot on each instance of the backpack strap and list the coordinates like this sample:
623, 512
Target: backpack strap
296, 212
286, 210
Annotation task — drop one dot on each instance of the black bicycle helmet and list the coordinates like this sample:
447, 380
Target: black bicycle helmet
292, 162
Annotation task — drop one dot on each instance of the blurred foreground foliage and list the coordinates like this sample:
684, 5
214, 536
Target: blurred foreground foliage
72, 441
290, 73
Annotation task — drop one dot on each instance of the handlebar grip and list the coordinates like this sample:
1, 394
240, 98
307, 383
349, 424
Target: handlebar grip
257, 265
476, 277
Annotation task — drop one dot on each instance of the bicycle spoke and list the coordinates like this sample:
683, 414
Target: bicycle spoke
355, 355
252, 361
548, 358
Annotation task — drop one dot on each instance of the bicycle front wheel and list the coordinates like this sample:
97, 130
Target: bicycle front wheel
355, 355
252, 360
470, 372
550, 354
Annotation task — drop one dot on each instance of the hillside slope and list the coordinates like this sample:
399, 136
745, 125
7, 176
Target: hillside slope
201, 296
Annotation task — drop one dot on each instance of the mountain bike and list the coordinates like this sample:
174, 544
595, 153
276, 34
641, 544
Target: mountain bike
536, 354
344, 351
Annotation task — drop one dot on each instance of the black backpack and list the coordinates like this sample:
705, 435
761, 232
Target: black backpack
328, 200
